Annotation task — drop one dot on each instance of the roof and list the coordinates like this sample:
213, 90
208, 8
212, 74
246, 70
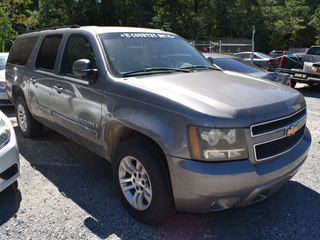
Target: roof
216, 55
102, 29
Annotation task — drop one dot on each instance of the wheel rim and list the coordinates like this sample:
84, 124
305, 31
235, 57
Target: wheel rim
135, 183
22, 118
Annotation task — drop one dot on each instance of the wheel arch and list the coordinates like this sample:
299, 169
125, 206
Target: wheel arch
17, 92
118, 133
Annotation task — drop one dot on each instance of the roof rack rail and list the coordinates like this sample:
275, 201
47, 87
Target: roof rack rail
53, 28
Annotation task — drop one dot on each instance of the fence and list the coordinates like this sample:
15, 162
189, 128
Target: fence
224, 46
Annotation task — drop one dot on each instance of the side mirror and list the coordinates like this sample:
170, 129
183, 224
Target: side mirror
83, 68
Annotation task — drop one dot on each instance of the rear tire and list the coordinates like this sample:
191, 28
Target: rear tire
29, 127
142, 181
293, 83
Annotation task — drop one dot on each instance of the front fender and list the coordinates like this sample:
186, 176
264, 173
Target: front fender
166, 128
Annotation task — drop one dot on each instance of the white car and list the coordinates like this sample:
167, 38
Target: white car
260, 59
4, 101
9, 154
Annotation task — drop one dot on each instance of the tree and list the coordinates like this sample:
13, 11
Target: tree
315, 23
288, 23
11, 14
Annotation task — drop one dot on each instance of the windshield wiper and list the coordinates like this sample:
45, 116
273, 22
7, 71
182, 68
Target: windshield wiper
201, 66
155, 69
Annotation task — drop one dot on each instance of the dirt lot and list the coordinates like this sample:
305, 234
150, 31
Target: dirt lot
66, 192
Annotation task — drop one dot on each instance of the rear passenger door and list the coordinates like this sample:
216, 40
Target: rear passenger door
77, 102
40, 81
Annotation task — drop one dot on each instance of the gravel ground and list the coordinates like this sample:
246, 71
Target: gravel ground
66, 192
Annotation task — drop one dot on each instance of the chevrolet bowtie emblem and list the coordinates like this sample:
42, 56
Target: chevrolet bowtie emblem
291, 130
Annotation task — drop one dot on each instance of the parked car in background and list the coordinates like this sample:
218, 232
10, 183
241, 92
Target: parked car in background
9, 154
314, 50
260, 59
226, 62
278, 54
4, 100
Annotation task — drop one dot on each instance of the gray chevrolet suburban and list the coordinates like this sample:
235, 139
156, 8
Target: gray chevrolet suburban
181, 134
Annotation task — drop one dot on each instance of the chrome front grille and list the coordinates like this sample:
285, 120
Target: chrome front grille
274, 148
278, 136
264, 128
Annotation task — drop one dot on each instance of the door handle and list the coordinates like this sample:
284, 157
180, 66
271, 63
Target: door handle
33, 80
59, 89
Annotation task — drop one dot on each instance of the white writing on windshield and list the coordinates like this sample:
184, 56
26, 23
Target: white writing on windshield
146, 35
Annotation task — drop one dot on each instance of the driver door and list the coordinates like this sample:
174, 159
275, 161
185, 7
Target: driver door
77, 102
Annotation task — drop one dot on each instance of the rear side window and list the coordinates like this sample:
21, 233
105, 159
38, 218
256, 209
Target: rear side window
21, 50
48, 52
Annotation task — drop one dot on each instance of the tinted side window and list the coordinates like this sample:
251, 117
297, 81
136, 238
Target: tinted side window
48, 52
78, 47
21, 50
314, 50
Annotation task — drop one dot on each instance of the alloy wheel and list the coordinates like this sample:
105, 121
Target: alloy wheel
135, 183
22, 117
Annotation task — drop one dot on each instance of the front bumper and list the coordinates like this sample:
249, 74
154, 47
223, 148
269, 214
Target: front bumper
204, 186
9, 161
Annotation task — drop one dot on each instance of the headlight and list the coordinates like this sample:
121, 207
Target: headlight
217, 144
5, 133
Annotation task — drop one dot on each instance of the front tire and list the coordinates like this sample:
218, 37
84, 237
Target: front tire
29, 127
142, 181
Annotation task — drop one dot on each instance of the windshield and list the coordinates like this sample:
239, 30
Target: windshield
3, 60
314, 50
237, 65
145, 53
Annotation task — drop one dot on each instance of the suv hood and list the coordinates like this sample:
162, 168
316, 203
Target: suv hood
231, 99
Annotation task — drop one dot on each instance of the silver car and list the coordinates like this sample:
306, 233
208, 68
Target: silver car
260, 59
9, 154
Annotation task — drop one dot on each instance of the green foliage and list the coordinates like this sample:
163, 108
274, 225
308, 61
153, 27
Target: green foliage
288, 22
315, 23
10, 12
279, 24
